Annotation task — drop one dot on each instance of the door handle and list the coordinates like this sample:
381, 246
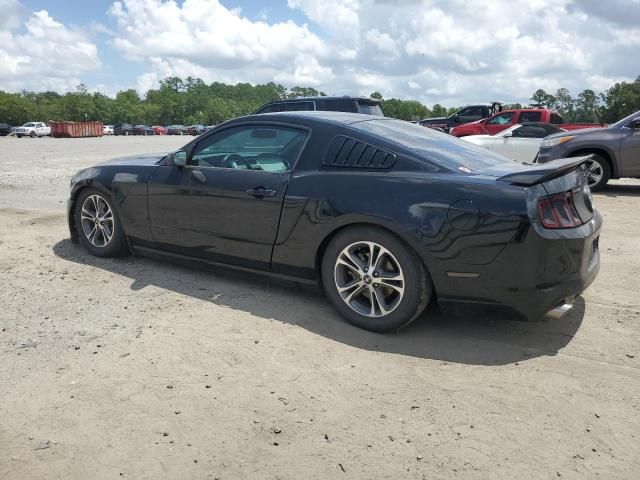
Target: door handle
261, 192
199, 176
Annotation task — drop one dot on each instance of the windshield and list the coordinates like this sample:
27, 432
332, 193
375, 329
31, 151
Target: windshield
442, 149
369, 108
29, 124
626, 119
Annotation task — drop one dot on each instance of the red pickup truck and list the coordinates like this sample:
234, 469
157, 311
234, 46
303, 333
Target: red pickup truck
508, 118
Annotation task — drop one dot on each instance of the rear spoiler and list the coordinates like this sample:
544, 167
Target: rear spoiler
543, 172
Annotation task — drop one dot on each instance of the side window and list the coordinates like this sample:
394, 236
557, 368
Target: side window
299, 106
274, 107
501, 119
341, 105
530, 131
256, 147
526, 117
475, 112
555, 118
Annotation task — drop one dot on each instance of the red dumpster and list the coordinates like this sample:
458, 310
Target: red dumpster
76, 129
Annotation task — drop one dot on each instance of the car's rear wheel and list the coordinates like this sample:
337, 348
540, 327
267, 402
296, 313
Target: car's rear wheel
598, 172
374, 280
98, 226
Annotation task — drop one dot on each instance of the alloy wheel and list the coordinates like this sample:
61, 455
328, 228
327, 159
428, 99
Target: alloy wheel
97, 221
369, 279
595, 173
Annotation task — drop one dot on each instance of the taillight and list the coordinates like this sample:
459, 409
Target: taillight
558, 211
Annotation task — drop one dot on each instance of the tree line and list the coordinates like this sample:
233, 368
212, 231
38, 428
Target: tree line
191, 101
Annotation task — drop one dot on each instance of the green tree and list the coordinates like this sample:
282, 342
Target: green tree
439, 111
621, 100
565, 104
542, 99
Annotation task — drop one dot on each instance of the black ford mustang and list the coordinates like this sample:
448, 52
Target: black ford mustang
384, 214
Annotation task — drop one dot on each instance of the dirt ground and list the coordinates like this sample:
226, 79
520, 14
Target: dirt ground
138, 369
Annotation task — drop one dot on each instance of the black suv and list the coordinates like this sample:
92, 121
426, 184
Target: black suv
5, 129
368, 106
470, 113
123, 129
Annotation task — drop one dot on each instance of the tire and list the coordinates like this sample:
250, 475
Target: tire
18, 135
100, 244
32, 134
599, 172
397, 309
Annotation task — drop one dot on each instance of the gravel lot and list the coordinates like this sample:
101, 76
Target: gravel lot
137, 369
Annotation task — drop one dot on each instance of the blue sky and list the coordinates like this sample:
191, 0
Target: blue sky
437, 51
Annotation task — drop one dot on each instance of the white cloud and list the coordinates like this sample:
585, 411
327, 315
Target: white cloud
46, 55
437, 51
451, 52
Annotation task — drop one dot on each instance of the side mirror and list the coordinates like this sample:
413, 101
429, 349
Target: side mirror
635, 123
180, 158
456, 118
508, 134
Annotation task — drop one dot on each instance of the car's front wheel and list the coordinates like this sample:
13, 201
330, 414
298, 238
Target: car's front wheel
98, 226
374, 280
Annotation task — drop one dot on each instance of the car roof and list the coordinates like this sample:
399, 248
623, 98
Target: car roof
345, 118
310, 99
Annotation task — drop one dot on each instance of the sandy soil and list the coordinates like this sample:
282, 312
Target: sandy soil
137, 369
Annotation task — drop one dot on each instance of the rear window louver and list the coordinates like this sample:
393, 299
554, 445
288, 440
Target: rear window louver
351, 153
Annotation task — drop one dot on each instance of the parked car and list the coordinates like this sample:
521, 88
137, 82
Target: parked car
159, 130
467, 114
177, 130
123, 129
369, 106
5, 129
615, 150
107, 129
143, 130
520, 142
508, 118
196, 129
33, 129
384, 214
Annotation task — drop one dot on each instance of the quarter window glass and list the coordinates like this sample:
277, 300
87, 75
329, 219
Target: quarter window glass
370, 108
264, 147
340, 105
526, 117
555, 118
299, 106
502, 119
275, 107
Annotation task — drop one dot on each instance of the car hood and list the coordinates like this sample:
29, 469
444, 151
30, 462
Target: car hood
573, 133
142, 160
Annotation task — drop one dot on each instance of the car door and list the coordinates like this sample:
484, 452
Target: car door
521, 143
499, 122
225, 203
630, 151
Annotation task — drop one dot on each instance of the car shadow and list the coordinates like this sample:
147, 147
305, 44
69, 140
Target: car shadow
473, 336
620, 190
